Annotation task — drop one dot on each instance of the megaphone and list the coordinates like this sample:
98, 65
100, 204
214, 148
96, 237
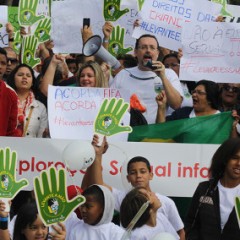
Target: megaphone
93, 46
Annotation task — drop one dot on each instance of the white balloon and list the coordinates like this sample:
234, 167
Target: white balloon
78, 155
164, 236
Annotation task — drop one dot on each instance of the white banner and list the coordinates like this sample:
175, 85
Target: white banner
72, 111
177, 168
3, 21
165, 19
211, 51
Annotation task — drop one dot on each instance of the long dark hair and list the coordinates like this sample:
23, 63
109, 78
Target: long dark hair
221, 157
11, 77
26, 216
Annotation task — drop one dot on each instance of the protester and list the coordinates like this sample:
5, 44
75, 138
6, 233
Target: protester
140, 80
28, 225
172, 61
8, 102
139, 174
205, 102
32, 114
97, 213
151, 222
212, 214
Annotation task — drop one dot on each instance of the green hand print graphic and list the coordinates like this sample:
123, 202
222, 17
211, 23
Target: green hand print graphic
140, 4
111, 10
116, 43
51, 196
9, 187
42, 32
109, 117
17, 42
29, 47
27, 12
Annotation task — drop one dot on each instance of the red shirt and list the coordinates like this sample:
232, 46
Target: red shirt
8, 111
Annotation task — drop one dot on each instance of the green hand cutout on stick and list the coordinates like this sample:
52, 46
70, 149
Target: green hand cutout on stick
237, 208
109, 117
51, 196
140, 4
116, 43
42, 32
29, 47
111, 10
27, 12
17, 42
9, 187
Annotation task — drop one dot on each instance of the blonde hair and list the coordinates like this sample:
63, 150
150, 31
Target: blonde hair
101, 81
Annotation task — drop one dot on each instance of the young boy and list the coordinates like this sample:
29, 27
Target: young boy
139, 175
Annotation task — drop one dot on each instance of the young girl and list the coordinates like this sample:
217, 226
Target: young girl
97, 213
150, 223
28, 225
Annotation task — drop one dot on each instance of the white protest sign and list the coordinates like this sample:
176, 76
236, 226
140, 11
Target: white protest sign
72, 111
165, 19
177, 168
211, 51
67, 21
3, 21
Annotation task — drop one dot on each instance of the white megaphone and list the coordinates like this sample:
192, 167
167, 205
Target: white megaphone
93, 46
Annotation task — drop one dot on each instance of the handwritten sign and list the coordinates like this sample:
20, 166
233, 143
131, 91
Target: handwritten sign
211, 51
3, 21
67, 23
165, 19
72, 111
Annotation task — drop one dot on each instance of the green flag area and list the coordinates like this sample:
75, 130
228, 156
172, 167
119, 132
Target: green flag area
213, 129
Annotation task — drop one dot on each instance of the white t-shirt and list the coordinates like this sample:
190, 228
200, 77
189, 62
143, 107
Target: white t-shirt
226, 199
168, 208
147, 233
134, 81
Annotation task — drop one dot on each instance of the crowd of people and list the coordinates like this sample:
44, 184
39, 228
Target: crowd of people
153, 82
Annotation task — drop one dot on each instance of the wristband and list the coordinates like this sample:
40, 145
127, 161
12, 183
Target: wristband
3, 219
106, 40
3, 225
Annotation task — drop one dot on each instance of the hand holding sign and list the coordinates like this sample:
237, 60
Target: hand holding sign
9, 187
42, 32
109, 117
51, 197
29, 47
116, 42
27, 12
112, 10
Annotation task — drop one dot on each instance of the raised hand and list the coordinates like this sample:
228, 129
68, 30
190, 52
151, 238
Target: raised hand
51, 197
109, 117
27, 12
29, 48
42, 32
9, 186
17, 42
111, 10
116, 45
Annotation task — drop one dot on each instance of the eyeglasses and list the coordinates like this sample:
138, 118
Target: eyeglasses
12, 60
172, 65
198, 92
230, 88
146, 47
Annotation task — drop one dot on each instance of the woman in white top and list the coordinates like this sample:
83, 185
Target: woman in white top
32, 114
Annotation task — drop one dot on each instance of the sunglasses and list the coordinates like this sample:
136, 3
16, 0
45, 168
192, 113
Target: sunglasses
12, 60
230, 88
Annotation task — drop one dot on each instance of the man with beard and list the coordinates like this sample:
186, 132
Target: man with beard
140, 80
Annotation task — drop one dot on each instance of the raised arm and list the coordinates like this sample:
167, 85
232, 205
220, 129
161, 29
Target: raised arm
161, 100
93, 173
4, 232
